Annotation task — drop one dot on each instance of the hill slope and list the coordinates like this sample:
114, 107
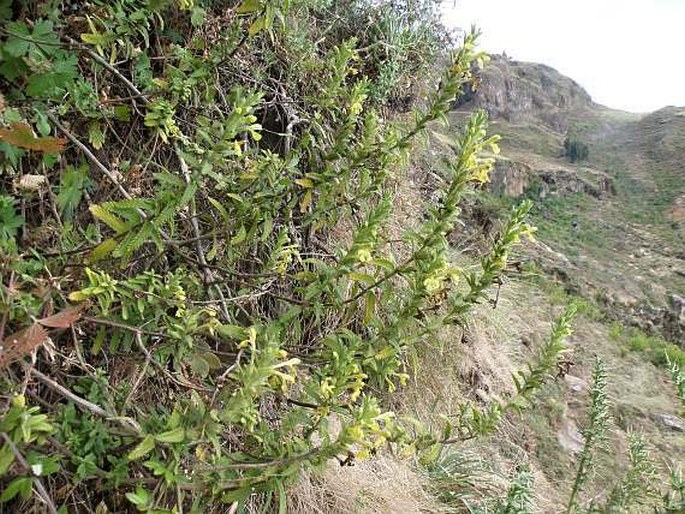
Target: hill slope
619, 217
610, 233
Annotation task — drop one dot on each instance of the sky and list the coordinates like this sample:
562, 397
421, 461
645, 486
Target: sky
627, 54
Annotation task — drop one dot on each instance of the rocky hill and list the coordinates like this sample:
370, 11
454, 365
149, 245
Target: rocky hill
616, 218
611, 233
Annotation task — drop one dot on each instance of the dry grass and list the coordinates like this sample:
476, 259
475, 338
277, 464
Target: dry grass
383, 485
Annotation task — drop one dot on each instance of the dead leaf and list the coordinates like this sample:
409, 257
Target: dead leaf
30, 182
20, 134
21, 343
64, 318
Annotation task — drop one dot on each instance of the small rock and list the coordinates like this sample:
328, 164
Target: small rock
575, 384
671, 421
482, 396
569, 437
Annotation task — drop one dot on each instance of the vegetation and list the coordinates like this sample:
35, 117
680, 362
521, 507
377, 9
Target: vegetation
200, 292
192, 180
654, 347
575, 150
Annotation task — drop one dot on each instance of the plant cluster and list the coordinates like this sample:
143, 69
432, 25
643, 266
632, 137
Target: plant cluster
170, 198
575, 150
199, 291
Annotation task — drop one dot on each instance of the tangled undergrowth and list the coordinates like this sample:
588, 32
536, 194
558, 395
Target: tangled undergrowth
180, 323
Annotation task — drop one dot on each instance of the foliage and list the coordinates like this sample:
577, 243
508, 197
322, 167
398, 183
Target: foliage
190, 185
637, 485
594, 433
659, 351
575, 150
519, 499
678, 379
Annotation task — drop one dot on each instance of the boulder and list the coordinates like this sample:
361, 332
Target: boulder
671, 421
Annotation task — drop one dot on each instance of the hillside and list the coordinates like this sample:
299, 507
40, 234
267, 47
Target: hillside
615, 217
610, 232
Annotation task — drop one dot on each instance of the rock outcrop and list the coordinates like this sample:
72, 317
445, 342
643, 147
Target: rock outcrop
518, 92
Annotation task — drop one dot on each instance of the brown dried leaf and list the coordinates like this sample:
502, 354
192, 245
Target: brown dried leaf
20, 134
64, 318
21, 343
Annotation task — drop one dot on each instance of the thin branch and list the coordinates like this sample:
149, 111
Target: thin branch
91, 157
42, 492
85, 404
102, 62
82, 402
206, 271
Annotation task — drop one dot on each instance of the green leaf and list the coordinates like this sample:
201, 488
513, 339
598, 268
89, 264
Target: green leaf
140, 497
5, 9
197, 16
369, 307
199, 366
73, 182
122, 113
212, 360
257, 26
10, 221
362, 277
176, 435
240, 236
222, 210
305, 182
102, 250
231, 331
249, 6
95, 135
18, 45
20, 485
145, 447
109, 219
282, 498
6, 459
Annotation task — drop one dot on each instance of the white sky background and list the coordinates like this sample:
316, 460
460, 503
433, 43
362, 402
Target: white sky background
627, 54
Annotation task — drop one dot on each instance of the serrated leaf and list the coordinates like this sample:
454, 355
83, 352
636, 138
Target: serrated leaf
20, 134
176, 435
73, 182
145, 447
109, 219
95, 135
18, 45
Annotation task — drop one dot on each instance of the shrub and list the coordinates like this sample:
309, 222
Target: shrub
575, 150
207, 326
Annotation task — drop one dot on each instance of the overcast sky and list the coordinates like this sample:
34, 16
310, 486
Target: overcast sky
628, 54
